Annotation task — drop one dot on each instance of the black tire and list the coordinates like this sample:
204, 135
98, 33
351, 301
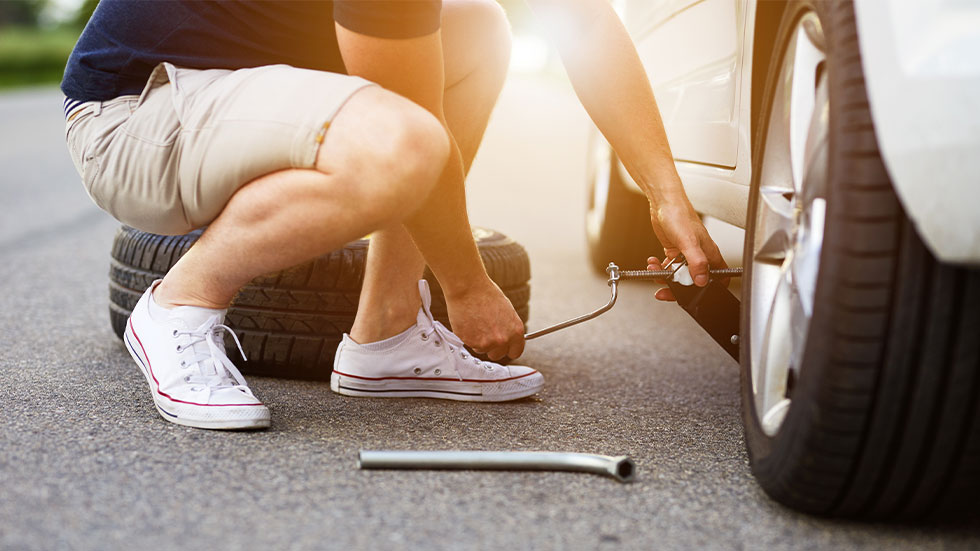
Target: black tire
623, 233
884, 421
291, 322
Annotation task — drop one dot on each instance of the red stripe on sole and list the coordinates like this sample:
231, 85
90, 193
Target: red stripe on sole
433, 378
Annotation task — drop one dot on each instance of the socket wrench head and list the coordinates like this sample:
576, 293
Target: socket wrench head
623, 469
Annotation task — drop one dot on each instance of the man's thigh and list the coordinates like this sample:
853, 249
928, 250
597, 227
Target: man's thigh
196, 136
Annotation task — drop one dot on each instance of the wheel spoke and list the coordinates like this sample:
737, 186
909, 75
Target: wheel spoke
815, 158
806, 258
776, 349
774, 416
765, 281
799, 324
774, 226
806, 58
776, 175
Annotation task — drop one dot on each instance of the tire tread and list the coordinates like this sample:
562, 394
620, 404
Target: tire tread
290, 322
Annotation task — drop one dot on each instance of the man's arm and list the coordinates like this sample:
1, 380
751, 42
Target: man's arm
480, 313
611, 83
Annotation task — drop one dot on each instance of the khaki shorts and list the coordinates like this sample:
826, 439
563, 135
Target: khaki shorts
167, 161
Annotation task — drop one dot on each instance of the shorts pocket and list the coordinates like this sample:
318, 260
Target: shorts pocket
154, 120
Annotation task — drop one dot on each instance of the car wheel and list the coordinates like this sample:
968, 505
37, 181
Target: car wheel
860, 357
291, 322
617, 220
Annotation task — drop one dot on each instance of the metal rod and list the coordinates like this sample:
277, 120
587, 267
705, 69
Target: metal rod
613, 271
613, 293
615, 275
661, 274
621, 468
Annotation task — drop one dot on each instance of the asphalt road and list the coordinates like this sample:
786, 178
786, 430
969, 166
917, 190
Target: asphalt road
86, 463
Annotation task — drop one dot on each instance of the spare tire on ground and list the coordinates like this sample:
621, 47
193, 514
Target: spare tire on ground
290, 322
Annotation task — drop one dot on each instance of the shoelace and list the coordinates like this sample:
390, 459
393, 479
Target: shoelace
217, 377
454, 344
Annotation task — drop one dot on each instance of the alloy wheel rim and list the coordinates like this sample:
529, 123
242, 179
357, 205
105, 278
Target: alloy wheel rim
789, 223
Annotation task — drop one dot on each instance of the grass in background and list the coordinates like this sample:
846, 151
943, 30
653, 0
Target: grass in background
34, 56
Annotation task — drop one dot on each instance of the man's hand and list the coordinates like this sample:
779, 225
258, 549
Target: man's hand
486, 321
681, 231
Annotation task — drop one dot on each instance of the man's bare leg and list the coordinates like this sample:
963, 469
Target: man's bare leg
476, 49
379, 159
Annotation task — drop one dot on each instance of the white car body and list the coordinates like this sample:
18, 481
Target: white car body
922, 73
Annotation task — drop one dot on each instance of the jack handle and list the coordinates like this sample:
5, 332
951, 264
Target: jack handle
615, 276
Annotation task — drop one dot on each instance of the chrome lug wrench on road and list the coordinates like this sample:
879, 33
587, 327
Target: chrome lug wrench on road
620, 468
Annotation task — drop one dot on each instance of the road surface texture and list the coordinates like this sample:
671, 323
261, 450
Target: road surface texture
86, 462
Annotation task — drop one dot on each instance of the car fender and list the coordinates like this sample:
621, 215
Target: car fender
922, 73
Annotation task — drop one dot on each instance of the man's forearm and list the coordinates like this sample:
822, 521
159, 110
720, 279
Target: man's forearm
612, 85
441, 231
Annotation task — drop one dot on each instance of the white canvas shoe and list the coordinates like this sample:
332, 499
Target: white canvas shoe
427, 361
181, 354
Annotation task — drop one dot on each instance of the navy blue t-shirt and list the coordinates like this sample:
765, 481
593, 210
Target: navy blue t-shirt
125, 39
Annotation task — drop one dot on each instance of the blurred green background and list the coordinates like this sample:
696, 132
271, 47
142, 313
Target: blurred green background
36, 36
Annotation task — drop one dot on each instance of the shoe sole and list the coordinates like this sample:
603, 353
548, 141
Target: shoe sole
504, 391
167, 407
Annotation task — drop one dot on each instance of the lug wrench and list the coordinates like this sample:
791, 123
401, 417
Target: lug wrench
692, 299
621, 468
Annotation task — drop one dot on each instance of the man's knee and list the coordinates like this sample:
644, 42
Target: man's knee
493, 21
421, 148
475, 33
390, 149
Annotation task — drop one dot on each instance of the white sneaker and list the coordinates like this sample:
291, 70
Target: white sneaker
427, 361
181, 353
